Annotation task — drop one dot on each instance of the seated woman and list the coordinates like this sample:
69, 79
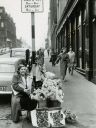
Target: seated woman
21, 86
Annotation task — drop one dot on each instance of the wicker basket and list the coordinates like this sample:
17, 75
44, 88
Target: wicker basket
53, 103
42, 104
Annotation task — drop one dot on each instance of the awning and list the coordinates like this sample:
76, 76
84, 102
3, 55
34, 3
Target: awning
67, 16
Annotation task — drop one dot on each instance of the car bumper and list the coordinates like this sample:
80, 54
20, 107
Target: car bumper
5, 93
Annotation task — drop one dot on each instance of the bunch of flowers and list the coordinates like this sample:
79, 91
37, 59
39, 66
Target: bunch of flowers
70, 117
50, 89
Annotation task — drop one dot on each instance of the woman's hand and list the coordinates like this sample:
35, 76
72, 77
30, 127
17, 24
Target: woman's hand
27, 91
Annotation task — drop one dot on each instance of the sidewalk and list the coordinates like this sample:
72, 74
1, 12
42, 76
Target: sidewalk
79, 97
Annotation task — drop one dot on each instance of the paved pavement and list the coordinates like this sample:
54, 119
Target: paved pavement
79, 98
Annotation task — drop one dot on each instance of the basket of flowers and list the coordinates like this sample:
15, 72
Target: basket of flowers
51, 93
50, 97
70, 117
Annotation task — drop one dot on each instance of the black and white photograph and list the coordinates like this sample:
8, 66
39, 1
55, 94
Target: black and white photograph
47, 63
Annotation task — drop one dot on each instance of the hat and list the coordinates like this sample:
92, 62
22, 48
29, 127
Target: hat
20, 66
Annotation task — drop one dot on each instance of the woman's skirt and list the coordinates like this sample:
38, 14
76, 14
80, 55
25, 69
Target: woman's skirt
27, 103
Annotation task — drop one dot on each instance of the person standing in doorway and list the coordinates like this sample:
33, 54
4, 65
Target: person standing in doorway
71, 60
64, 58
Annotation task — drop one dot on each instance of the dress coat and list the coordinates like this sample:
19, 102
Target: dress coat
64, 58
18, 84
20, 100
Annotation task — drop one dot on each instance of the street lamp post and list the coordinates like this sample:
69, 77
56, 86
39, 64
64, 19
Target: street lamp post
32, 6
33, 44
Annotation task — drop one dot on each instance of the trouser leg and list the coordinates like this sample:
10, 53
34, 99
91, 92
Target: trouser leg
69, 69
15, 108
72, 68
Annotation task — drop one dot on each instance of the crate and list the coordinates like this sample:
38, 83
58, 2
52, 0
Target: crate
48, 117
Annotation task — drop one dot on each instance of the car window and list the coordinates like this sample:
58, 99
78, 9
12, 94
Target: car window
21, 53
18, 53
7, 68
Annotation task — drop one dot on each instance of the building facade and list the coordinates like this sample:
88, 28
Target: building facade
56, 10
7, 30
60, 37
53, 23
77, 28
19, 43
48, 34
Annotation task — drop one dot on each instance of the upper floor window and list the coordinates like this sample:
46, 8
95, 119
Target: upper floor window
1, 10
80, 20
2, 24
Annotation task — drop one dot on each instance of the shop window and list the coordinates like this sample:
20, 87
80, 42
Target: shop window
94, 8
79, 48
84, 18
86, 58
2, 24
79, 20
1, 10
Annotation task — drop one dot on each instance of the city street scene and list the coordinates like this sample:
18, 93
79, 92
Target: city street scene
48, 64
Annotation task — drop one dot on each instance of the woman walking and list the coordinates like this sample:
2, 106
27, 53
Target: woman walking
64, 58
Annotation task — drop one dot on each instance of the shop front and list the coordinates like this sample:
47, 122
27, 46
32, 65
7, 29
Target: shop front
77, 29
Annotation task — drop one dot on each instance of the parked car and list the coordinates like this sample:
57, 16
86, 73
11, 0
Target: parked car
7, 49
1, 51
19, 52
8, 66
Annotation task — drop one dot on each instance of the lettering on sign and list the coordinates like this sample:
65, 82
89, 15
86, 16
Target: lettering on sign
31, 5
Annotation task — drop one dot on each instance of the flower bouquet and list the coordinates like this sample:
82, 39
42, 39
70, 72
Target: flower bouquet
51, 92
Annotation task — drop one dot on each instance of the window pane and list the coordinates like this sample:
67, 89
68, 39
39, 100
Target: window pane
22, 54
1, 10
2, 24
7, 68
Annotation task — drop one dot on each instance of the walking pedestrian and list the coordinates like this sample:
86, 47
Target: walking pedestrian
48, 50
64, 58
40, 54
53, 57
71, 61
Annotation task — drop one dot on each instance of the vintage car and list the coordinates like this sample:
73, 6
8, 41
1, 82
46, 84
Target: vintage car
19, 52
8, 66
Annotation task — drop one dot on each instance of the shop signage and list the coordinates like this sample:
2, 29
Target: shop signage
31, 6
